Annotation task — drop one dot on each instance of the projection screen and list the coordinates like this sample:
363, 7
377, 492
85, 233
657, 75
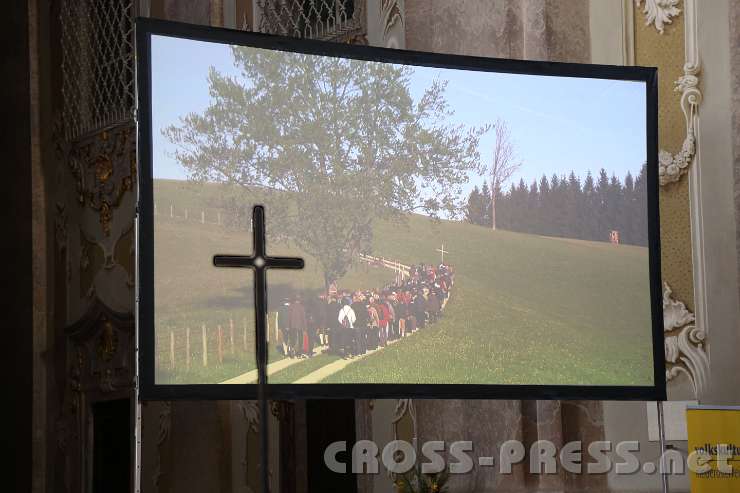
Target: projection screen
471, 227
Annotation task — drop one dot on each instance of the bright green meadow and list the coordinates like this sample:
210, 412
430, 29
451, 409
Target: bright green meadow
524, 309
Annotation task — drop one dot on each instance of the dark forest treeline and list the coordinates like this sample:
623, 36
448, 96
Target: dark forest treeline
566, 207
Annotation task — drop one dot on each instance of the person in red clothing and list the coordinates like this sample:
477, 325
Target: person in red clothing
384, 315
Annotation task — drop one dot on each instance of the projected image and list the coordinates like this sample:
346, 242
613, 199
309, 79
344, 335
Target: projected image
458, 227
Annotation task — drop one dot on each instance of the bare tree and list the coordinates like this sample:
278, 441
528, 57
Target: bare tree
503, 165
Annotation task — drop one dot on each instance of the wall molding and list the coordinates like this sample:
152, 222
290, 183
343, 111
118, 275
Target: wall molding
683, 337
691, 97
671, 167
628, 32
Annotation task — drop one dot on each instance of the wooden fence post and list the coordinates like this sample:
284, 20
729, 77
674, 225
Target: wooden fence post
205, 346
172, 350
187, 348
172, 210
220, 345
231, 336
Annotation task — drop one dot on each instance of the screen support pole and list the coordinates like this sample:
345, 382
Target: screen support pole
661, 439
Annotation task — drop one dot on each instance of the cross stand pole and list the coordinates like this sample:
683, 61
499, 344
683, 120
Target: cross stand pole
260, 262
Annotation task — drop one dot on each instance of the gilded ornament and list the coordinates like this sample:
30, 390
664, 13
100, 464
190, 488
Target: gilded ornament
107, 342
104, 166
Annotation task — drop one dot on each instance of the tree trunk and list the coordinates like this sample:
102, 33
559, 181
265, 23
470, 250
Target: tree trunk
493, 211
327, 281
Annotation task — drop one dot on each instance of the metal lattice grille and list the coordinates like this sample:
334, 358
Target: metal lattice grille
97, 64
319, 19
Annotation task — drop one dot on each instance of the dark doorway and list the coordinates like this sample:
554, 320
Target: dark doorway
329, 421
112, 446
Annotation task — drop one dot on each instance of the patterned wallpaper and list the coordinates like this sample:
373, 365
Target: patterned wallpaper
666, 51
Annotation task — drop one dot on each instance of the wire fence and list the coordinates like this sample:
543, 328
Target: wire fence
217, 217
206, 345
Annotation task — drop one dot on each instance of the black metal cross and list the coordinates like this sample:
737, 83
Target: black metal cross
260, 262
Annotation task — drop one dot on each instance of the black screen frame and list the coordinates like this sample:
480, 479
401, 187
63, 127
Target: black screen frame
150, 390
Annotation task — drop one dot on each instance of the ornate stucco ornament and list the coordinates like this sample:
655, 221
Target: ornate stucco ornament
672, 167
390, 15
685, 350
659, 12
403, 407
164, 426
251, 413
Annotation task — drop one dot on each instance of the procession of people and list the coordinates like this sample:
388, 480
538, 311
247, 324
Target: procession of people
351, 323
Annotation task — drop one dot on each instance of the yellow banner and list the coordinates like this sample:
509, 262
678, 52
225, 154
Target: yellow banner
714, 448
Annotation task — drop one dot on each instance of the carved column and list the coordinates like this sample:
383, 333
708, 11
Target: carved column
487, 424
534, 18
529, 29
583, 421
521, 29
364, 431
542, 420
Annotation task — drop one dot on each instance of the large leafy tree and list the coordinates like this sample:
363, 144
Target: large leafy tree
339, 142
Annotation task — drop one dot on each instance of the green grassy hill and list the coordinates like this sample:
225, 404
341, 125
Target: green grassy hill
524, 310
190, 292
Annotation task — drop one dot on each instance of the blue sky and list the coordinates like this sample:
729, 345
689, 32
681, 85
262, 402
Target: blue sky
557, 124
